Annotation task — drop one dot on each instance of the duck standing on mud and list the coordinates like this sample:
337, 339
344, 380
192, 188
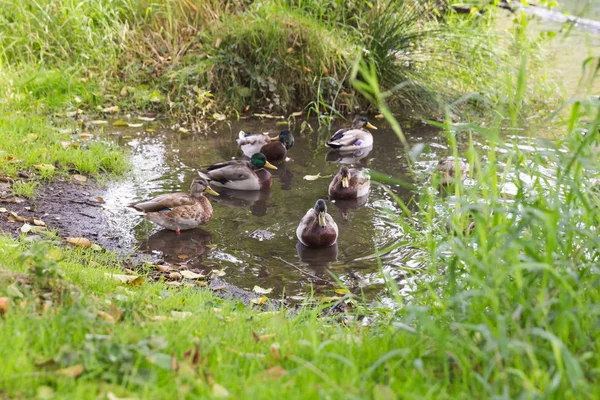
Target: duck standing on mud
317, 228
353, 138
275, 149
241, 174
179, 211
349, 183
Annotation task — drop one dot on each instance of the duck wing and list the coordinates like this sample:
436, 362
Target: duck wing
164, 202
345, 137
230, 171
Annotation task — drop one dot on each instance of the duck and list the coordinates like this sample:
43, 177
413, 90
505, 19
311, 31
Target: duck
241, 174
349, 183
179, 211
317, 228
355, 137
447, 169
275, 149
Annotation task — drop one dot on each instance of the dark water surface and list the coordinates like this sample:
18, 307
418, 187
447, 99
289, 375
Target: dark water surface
166, 161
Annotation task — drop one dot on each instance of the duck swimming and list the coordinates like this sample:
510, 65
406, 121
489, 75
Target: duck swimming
349, 183
355, 137
240, 174
179, 211
317, 228
275, 149
447, 169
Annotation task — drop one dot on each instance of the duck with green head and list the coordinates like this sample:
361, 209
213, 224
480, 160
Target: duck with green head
353, 138
317, 228
349, 183
179, 211
274, 149
241, 174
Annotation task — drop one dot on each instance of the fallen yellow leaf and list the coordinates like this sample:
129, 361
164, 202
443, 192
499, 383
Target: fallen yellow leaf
274, 373
80, 178
79, 242
262, 338
219, 391
132, 280
259, 300
111, 109
86, 135
259, 290
191, 275
163, 268
73, 371
342, 291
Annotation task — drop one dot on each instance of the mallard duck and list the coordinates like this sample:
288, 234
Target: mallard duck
317, 228
275, 149
240, 174
179, 211
349, 183
355, 137
447, 170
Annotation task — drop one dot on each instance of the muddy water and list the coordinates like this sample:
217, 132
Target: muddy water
252, 234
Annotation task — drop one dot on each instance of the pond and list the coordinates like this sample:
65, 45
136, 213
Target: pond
166, 161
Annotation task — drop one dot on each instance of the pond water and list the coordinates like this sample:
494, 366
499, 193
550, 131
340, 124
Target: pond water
166, 161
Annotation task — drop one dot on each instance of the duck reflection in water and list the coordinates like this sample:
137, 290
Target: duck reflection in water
358, 156
189, 246
285, 174
346, 206
256, 200
318, 260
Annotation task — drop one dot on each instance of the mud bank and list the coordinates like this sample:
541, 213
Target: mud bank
76, 210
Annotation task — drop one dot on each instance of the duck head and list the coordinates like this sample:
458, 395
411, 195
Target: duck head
259, 161
321, 210
361, 121
199, 186
345, 172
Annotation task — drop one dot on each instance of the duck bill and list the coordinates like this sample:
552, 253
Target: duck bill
322, 222
345, 182
371, 126
275, 139
269, 165
210, 190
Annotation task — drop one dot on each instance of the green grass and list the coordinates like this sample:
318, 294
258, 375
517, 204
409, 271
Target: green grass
278, 55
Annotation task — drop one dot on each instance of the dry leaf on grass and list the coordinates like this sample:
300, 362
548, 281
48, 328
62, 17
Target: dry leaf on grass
262, 338
98, 122
111, 109
181, 314
79, 242
86, 135
273, 373
45, 167
120, 123
131, 280
219, 391
73, 371
4, 305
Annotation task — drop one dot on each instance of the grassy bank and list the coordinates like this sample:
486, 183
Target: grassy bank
269, 55
509, 308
